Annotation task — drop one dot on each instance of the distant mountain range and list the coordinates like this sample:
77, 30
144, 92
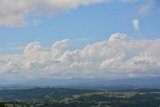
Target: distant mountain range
93, 83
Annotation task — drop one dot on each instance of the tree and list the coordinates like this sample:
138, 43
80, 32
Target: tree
2, 105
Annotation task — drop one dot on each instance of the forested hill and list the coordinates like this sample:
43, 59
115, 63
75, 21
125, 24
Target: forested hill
62, 97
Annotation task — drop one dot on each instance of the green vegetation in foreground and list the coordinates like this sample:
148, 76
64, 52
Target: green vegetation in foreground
59, 97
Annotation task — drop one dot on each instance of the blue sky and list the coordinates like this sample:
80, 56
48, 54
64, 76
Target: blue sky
79, 38
84, 24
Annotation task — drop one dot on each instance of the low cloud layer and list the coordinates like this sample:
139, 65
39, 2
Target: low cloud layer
119, 55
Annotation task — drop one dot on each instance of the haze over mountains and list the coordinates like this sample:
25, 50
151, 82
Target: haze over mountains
90, 83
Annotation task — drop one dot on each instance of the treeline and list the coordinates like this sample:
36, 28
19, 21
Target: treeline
39, 94
61, 97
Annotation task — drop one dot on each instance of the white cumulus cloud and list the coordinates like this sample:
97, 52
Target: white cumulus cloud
119, 55
135, 24
15, 13
118, 37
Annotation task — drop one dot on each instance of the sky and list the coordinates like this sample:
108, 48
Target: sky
79, 38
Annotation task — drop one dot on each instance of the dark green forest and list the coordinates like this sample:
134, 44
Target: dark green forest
62, 97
